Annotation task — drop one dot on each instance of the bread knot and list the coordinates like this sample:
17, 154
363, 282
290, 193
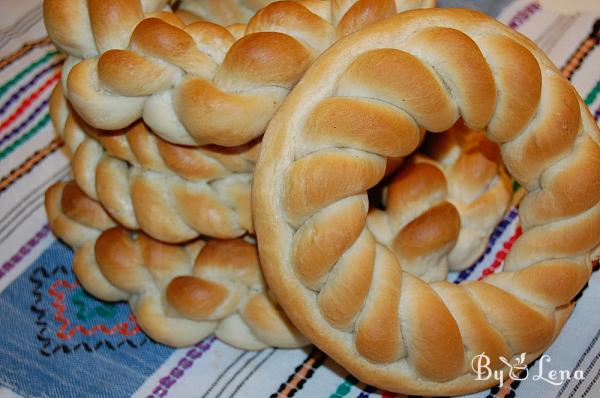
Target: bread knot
152, 182
443, 204
222, 12
179, 294
194, 84
171, 192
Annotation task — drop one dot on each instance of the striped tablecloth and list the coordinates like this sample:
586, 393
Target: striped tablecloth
56, 341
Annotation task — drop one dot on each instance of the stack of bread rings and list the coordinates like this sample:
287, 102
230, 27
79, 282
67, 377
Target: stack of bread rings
204, 139
162, 120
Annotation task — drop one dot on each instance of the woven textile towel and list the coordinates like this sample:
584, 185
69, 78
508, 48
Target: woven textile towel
57, 341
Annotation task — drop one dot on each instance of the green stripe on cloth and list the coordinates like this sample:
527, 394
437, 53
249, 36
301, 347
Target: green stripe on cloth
22, 139
344, 389
19, 76
591, 97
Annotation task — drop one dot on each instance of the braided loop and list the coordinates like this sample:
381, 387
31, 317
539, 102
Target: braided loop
443, 204
179, 294
170, 192
207, 188
363, 100
195, 84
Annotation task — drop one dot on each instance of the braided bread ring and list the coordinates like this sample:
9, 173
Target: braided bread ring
187, 82
443, 204
178, 294
205, 193
170, 192
385, 326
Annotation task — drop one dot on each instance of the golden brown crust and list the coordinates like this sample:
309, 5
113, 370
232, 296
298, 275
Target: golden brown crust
195, 298
434, 343
178, 293
364, 13
441, 208
236, 256
268, 321
436, 228
319, 244
385, 81
477, 332
329, 168
207, 189
341, 300
82, 226
439, 338
414, 184
370, 126
378, 335
223, 12
186, 81
75, 206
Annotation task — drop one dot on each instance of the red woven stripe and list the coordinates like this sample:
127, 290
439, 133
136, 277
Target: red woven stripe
29, 100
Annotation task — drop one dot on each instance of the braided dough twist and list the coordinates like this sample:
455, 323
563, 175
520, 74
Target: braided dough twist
444, 204
223, 12
179, 294
207, 189
195, 84
362, 101
170, 192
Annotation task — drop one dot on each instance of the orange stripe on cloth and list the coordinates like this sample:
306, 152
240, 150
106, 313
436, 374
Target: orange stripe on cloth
30, 163
584, 49
303, 372
510, 385
23, 50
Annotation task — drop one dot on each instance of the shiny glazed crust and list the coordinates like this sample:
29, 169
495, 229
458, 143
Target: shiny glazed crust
195, 84
179, 294
328, 144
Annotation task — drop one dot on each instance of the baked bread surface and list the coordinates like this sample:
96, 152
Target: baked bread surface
171, 192
425, 69
151, 174
443, 203
201, 83
179, 294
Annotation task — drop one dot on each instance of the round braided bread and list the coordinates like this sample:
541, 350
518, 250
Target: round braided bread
179, 294
168, 191
172, 193
362, 101
195, 84
442, 208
